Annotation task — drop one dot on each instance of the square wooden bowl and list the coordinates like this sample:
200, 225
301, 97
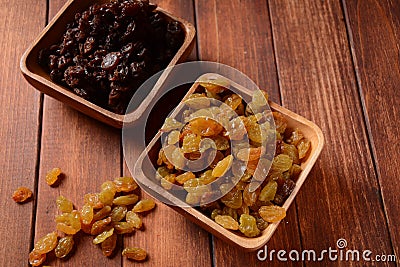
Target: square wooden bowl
143, 173
52, 33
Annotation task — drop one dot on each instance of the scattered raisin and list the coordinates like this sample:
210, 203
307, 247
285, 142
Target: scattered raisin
22, 194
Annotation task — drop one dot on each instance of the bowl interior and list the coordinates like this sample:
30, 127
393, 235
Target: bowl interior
144, 173
39, 78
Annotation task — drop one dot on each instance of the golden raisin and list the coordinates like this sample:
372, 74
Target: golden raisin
108, 245
103, 236
64, 204
36, 258
144, 205
248, 225
205, 127
22, 194
118, 213
125, 184
64, 246
53, 175
134, 219
272, 214
87, 214
100, 226
227, 222
47, 243
223, 166
126, 200
101, 214
184, 177
137, 254
122, 228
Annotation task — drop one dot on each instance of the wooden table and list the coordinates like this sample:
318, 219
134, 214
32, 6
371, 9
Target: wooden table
334, 62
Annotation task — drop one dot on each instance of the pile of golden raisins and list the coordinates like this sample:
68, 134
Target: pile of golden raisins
105, 215
240, 208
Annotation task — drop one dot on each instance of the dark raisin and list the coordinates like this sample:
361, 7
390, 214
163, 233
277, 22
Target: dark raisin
110, 61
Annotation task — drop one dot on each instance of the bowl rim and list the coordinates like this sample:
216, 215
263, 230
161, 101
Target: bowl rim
196, 216
62, 94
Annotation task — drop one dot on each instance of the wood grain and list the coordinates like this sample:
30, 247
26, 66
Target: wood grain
237, 33
373, 24
317, 80
169, 238
19, 116
88, 152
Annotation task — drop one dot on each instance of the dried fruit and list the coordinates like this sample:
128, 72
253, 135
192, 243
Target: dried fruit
110, 49
250, 185
64, 204
22, 194
136, 254
93, 200
168, 181
64, 246
269, 191
171, 124
215, 212
230, 212
118, 213
108, 245
173, 137
281, 163
100, 226
134, 219
280, 122
295, 137
69, 223
233, 199
233, 101
250, 198
36, 258
227, 222
223, 166
184, 177
272, 214
107, 197
109, 185
123, 228
250, 154
101, 214
47, 243
103, 236
191, 143
207, 177
126, 200
248, 225
87, 214
205, 127
303, 147
144, 205
125, 184
53, 175
221, 142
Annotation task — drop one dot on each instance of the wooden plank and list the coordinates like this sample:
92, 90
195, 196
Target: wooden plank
88, 152
374, 28
340, 198
237, 33
169, 238
19, 115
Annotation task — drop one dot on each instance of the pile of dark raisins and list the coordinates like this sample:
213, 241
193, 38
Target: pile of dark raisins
109, 50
